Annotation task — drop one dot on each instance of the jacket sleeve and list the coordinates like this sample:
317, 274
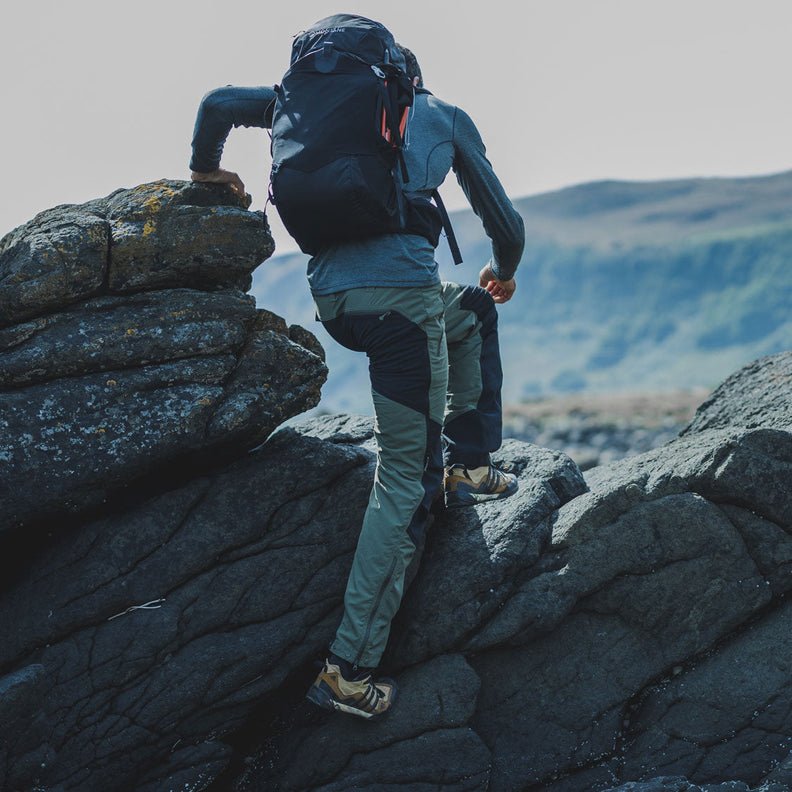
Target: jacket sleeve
222, 109
502, 223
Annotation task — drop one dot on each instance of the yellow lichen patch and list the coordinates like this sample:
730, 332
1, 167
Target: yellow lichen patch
149, 228
154, 202
111, 382
96, 235
131, 331
178, 313
204, 400
99, 431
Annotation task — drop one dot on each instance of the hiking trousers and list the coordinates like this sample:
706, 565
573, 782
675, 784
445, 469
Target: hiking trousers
435, 370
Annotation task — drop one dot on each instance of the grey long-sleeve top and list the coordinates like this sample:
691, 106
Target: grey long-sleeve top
441, 138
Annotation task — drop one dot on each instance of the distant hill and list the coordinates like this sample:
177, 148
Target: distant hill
624, 287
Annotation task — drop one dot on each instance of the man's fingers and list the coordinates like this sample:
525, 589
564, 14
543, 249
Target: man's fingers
500, 292
237, 184
221, 176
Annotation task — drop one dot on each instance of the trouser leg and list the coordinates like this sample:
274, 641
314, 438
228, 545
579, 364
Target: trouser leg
402, 332
473, 419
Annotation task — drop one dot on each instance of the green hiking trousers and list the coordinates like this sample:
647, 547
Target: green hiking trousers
435, 371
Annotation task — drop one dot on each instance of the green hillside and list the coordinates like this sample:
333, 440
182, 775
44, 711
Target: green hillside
624, 286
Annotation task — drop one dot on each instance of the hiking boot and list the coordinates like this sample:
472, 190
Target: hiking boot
364, 697
466, 486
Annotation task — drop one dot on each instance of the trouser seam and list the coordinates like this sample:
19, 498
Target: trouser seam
369, 622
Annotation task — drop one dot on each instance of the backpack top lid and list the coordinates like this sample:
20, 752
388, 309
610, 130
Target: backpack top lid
350, 33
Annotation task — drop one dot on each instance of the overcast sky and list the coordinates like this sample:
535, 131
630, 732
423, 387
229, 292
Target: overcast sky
99, 94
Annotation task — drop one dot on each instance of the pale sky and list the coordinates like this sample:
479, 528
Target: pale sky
100, 94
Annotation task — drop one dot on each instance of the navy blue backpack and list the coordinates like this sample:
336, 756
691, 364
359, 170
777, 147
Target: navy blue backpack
339, 128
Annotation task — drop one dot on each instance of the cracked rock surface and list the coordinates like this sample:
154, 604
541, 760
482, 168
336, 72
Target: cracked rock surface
634, 634
129, 346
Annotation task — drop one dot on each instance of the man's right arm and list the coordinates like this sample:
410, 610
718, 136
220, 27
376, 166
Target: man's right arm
220, 110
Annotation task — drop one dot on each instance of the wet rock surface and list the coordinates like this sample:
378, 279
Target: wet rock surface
172, 570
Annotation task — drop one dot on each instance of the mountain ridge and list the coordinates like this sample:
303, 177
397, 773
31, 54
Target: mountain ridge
624, 286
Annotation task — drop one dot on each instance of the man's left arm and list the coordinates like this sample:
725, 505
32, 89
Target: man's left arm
219, 111
502, 223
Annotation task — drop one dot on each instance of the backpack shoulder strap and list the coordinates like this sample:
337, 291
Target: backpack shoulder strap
449, 231
450, 236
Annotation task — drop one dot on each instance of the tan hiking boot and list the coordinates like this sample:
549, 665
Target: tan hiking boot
365, 697
466, 486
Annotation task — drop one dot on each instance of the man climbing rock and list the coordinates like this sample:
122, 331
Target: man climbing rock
433, 350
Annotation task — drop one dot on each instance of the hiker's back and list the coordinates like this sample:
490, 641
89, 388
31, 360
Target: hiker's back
397, 259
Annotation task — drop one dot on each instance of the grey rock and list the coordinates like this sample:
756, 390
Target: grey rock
96, 393
678, 784
115, 333
157, 627
475, 557
728, 716
170, 233
781, 774
306, 339
166, 234
57, 258
401, 750
80, 437
187, 769
755, 396
339, 428
681, 784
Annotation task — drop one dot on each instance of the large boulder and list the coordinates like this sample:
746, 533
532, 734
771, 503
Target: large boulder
560, 640
135, 350
178, 618
156, 627
638, 630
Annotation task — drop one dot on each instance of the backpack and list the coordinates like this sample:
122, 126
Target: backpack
340, 123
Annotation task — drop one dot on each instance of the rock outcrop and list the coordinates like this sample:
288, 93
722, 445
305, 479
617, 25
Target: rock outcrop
180, 571
640, 630
129, 347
